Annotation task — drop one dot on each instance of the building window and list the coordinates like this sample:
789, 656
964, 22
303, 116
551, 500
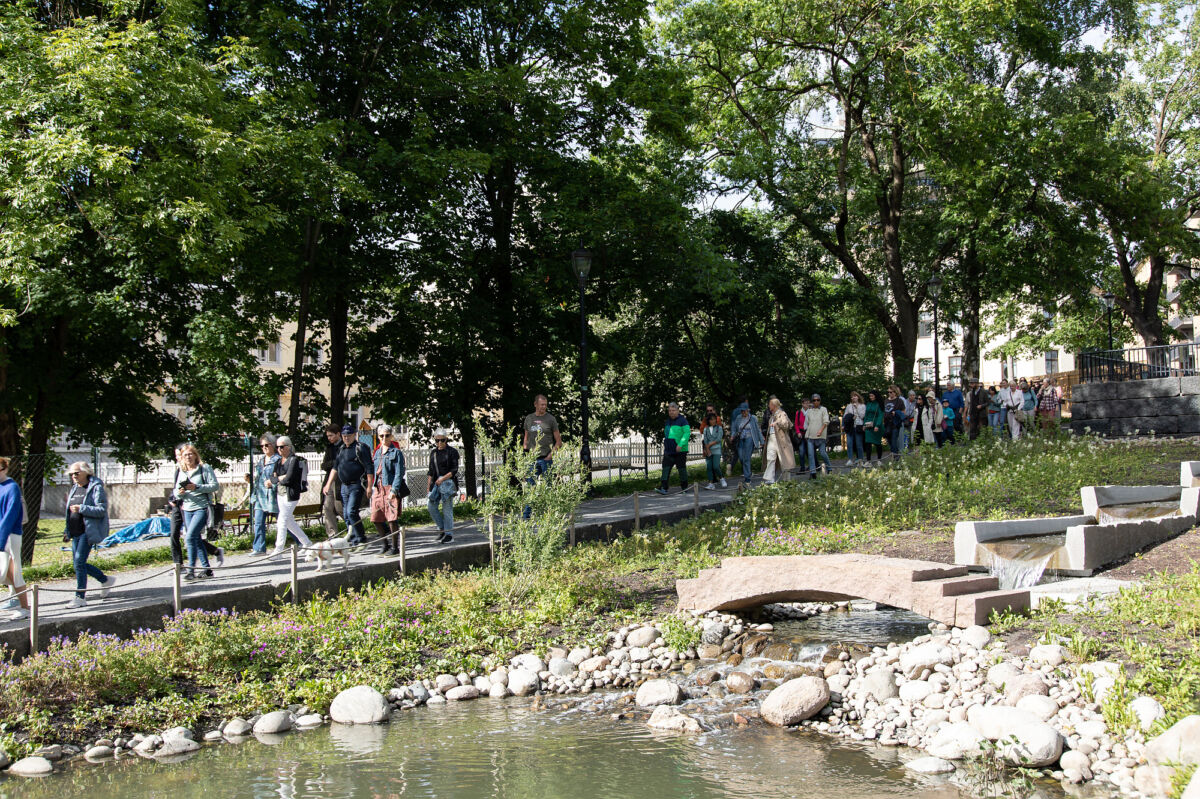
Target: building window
269, 354
925, 371
956, 330
1051, 362
925, 324
315, 360
955, 371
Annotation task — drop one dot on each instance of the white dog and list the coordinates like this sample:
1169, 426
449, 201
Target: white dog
325, 551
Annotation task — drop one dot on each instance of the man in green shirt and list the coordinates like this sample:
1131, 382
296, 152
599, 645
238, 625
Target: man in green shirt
676, 435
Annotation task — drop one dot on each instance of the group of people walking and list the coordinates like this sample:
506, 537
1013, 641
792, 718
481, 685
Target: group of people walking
869, 420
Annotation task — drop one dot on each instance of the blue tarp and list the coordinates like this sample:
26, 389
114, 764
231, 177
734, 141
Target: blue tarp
154, 527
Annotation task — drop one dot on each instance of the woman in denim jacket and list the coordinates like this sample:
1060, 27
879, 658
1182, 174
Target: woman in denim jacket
264, 499
385, 493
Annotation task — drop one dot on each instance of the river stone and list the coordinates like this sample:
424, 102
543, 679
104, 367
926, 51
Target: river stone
976, 636
361, 704
995, 721
51, 752
669, 718
708, 651
498, 691
754, 645
734, 659
1024, 685
35, 766
1043, 707
99, 753
148, 745
1179, 745
925, 656
1002, 674
1147, 710
444, 682
179, 732
579, 654
739, 682
420, 692
930, 765
236, 727
310, 720
522, 682
562, 667
482, 684
1094, 729
1153, 781
211, 735
1048, 655
1037, 745
1192, 791
880, 685
594, 664
714, 632
499, 677
832, 668
279, 721
1101, 668
1078, 762
462, 693
795, 701
642, 636
954, 741
774, 671
779, 652
914, 691
658, 692
177, 746
716, 691
529, 662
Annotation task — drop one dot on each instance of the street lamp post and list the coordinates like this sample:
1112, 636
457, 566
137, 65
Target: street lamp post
1108, 306
581, 263
935, 290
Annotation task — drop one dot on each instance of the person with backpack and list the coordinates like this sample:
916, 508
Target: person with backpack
195, 485
263, 499
174, 511
948, 417
744, 437
87, 525
676, 435
354, 467
443, 472
390, 488
291, 475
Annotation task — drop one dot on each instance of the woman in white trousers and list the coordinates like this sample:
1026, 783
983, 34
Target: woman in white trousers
288, 477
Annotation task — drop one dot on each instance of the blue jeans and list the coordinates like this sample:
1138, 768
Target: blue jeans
260, 531
816, 446
745, 453
855, 441
540, 467
713, 464
194, 522
352, 497
441, 506
894, 439
80, 548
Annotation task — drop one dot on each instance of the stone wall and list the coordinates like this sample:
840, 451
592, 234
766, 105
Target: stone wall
1167, 406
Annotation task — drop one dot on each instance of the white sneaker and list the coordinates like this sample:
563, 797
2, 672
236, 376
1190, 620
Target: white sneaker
220, 556
710, 487
9, 604
849, 464
18, 614
106, 587
723, 483
76, 602
277, 551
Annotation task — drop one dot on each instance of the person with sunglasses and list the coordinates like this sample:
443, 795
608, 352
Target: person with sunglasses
87, 525
264, 499
443, 468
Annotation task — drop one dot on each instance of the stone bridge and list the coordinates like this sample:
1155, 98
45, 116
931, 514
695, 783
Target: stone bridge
940, 591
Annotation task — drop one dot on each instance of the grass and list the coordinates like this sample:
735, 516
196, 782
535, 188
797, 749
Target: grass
205, 666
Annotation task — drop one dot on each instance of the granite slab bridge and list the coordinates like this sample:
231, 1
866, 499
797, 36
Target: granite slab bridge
940, 591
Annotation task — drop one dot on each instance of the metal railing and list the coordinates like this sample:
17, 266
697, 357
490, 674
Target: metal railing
1138, 363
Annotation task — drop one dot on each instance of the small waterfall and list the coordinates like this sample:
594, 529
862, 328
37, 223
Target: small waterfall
1137, 512
813, 654
1020, 562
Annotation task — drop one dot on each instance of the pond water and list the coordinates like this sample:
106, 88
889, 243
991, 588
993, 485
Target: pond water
504, 749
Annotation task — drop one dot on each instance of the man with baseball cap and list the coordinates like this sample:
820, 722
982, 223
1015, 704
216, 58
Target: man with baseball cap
816, 425
355, 468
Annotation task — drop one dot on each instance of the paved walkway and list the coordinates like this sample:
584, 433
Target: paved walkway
141, 597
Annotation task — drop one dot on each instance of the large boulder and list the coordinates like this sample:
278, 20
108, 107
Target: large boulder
562, 667
1192, 791
1025, 739
444, 682
1043, 707
35, 766
642, 636
461, 693
361, 704
714, 632
522, 682
955, 741
795, 701
658, 692
1024, 685
274, 723
177, 746
669, 718
1179, 745
529, 662
1147, 710
593, 664
237, 727
925, 656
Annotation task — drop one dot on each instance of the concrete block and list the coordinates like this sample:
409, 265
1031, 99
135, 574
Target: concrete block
1081, 411
1189, 474
1096, 497
1160, 387
1189, 386
977, 608
1091, 546
1100, 427
968, 535
1189, 425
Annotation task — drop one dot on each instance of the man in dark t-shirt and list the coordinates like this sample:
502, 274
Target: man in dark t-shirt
541, 435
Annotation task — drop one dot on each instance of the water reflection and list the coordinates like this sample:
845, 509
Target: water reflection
502, 749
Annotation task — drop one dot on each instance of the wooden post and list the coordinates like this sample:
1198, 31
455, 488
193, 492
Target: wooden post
175, 589
492, 538
572, 528
33, 620
295, 579
403, 568
696, 500
637, 513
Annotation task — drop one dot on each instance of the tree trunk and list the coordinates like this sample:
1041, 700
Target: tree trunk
467, 428
41, 424
10, 423
339, 309
972, 365
312, 232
